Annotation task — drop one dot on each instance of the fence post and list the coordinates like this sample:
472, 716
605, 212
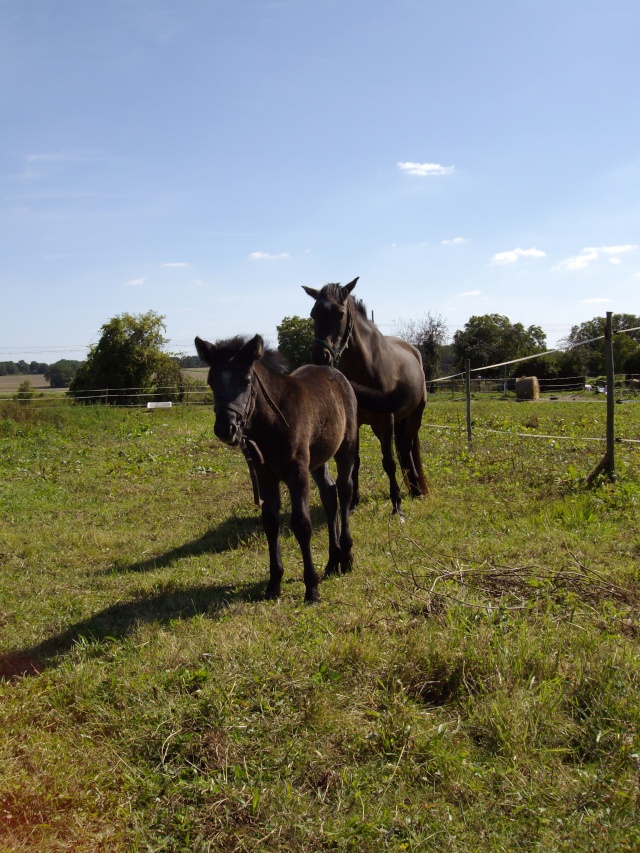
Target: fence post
467, 384
608, 462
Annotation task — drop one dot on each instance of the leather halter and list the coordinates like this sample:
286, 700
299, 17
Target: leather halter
337, 353
249, 447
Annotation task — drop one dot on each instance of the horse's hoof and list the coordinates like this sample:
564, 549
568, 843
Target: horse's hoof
312, 597
272, 593
346, 565
331, 568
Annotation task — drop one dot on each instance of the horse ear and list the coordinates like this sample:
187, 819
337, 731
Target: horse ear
346, 290
311, 291
205, 350
252, 351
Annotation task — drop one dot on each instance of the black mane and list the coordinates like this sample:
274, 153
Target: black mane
272, 358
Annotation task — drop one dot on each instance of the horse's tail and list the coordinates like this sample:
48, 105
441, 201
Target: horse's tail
407, 441
380, 402
417, 461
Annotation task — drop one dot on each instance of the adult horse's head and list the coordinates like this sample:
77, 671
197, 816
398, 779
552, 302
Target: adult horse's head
231, 380
333, 321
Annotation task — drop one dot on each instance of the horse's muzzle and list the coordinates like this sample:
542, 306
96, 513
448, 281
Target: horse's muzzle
320, 354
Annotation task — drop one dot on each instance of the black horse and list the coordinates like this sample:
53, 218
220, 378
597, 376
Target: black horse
386, 374
288, 426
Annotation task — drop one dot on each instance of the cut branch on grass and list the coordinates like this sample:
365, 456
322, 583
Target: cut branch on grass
437, 578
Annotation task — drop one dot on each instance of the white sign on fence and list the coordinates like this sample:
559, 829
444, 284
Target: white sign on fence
166, 405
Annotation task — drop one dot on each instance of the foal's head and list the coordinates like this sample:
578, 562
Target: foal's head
230, 374
332, 321
231, 363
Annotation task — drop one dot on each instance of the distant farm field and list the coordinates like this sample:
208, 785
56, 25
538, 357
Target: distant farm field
10, 384
474, 684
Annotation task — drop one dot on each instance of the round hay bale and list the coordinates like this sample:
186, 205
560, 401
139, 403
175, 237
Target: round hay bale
527, 388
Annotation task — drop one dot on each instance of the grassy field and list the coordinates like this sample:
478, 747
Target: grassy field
474, 684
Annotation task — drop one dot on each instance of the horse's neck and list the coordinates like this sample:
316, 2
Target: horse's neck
366, 339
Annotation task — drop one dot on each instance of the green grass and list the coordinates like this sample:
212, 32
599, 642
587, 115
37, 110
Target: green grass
472, 685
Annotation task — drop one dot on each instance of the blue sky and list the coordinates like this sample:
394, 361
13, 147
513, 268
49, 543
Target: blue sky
206, 158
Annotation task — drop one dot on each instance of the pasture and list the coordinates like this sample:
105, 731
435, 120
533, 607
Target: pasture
473, 684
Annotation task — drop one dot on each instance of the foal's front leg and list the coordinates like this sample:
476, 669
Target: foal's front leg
298, 485
270, 494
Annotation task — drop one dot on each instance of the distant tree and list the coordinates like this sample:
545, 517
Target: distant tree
128, 358
60, 374
295, 339
186, 361
26, 392
493, 338
430, 336
585, 343
36, 367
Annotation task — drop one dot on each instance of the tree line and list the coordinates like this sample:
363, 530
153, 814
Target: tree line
130, 353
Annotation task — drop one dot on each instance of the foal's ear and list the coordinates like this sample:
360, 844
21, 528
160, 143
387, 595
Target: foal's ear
252, 350
311, 291
205, 350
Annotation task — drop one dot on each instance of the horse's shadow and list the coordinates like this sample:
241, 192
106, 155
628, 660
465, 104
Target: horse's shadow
227, 536
120, 620
231, 534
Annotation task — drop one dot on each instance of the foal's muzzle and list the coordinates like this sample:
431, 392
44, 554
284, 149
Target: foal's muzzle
228, 428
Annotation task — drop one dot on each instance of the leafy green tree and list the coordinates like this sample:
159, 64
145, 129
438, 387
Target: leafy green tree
127, 360
588, 352
430, 336
295, 339
26, 392
60, 374
493, 338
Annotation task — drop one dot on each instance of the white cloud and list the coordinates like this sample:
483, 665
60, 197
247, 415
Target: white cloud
455, 240
593, 253
595, 301
510, 257
267, 256
136, 282
176, 264
471, 293
425, 170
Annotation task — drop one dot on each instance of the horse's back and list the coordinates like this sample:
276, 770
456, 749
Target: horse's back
330, 409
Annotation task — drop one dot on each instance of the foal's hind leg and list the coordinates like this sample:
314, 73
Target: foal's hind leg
328, 496
298, 485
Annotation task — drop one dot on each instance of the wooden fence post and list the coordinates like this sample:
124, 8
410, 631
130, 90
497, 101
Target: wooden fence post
608, 462
467, 384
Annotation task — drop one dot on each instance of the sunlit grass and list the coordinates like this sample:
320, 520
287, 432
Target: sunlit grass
473, 684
